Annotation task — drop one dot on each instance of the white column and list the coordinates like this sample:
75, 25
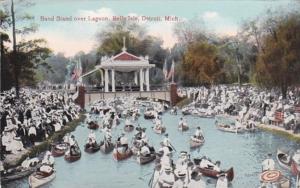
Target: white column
113, 85
141, 80
106, 80
147, 79
102, 79
135, 77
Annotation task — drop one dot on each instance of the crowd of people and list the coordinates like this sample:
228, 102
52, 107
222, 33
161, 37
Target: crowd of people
32, 117
248, 104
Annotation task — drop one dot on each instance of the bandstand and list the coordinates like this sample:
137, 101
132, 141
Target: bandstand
127, 63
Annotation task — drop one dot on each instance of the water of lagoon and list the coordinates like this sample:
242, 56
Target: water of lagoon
245, 152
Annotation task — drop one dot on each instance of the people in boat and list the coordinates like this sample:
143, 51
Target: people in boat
198, 135
222, 181
180, 124
183, 160
206, 163
145, 150
48, 159
217, 166
67, 138
196, 180
167, 178
73, 146
107, 136
268, 164
144, 137
180, 183
123, 141
92, 138
166, 142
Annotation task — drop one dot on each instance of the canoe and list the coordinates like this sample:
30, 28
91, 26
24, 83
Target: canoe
58, 150
229, 129
72, 158
195, 144
16, 174
37, 180
128, 128
121, 156
106, 148
159, 131
284, 159
215, 174
146, 159
91, 149
93, 125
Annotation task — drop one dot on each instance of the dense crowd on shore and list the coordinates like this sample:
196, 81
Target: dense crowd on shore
246, 103
32, 118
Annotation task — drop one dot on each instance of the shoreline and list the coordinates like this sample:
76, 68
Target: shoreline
43, 146
280, 131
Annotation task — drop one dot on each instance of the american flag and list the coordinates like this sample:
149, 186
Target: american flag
279, 116
77, 70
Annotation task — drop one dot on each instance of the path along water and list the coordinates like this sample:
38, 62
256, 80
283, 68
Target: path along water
245, 152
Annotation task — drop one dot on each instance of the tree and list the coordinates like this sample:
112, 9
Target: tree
25, 56
279, 64
201, 64
5, 67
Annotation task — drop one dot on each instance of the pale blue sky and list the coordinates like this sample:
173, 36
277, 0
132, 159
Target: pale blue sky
220, 16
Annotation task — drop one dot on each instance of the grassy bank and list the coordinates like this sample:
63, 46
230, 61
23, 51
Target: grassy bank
282, 133
35, 150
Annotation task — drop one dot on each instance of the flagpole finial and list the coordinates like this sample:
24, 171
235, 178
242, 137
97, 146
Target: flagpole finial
124, 44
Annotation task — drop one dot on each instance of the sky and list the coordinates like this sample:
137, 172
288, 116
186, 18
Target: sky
222, 17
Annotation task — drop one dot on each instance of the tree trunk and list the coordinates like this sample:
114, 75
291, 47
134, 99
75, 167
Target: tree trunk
283, 90
1, 61
14, 56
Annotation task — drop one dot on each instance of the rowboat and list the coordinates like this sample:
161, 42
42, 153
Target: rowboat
183, 127
160, 130
149, 114
141, 159
93, 125
228, 128
91, 148
194, 143
58, 150
274, 178
72, 158
106, 147
284, 159
17, 173
215, 174
38, 179
210, 172
121, 155
128, 128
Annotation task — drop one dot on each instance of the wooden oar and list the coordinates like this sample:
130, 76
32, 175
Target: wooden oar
150, 181
172, 146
